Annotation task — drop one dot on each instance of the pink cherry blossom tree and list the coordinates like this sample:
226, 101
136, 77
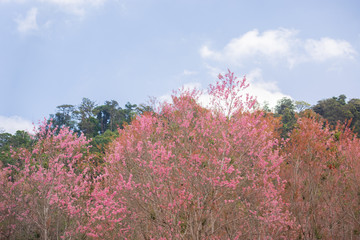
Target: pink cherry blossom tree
187, 172
322, 172
42, 198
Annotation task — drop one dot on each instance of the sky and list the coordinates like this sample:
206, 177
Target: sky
55, 52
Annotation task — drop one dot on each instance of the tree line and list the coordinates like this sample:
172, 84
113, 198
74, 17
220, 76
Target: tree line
100, 122
334, 110
92, 119
96, 122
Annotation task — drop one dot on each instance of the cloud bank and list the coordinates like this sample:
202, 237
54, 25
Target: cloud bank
327, 48
279, 45
14, 123
276, 48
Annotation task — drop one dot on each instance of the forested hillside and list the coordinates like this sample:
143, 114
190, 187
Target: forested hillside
183, 171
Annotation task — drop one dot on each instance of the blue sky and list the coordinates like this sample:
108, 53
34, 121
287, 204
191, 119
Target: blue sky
55, 52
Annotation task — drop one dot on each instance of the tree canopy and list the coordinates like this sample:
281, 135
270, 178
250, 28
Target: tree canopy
336, 109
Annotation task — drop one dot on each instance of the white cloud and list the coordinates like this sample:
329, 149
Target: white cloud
77, 7
264, 91
14, 123
278, 45
271, 44
327, 48
205, 52
189, 73
28, 23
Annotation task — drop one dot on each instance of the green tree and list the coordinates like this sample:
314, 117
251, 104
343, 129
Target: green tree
103, 117
115, 115
284, 103
334, 109
64, 116
130, 112
301, 106
111, 116
354, 107
88, 124
285, 108
100, 144
341, 99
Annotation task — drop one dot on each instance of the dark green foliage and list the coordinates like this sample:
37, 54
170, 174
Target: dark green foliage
4, 139
103, 117
333, 109
100, 143
130, 112
20, 139
92, 120
98, 122
87, 124
283, 104
285, 108
64, 116
110, 116
336, 109
354, 107
89, 127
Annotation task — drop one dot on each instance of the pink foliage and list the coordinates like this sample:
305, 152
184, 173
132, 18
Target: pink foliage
227, 95
189, 172
322, 170
42, 197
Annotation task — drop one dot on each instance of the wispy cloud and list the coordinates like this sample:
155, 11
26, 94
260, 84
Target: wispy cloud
77, 7
189, 73
278, 45
14, 123
74, 2
12, 1
327, 48
28, 23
